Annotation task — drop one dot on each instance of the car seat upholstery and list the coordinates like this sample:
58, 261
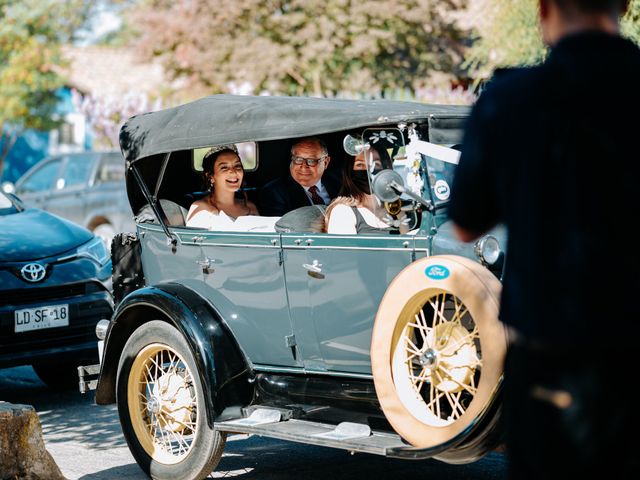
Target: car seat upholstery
308, 219
174, 215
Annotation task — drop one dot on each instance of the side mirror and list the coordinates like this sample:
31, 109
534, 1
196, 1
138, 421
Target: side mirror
8, 187
387, 185
353, 146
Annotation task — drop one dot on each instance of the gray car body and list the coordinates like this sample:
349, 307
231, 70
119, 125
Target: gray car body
98, 197
283, 318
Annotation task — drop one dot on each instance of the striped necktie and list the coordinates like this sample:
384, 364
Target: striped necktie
315, 197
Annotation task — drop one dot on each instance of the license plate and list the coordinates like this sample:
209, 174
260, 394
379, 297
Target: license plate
50, 316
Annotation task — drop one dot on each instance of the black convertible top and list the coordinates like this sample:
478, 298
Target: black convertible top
221, 119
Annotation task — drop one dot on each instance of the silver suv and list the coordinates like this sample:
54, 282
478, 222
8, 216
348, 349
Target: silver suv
87, 188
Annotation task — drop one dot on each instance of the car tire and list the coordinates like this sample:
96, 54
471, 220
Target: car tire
161, 405
58, 376
437, 349
106, 232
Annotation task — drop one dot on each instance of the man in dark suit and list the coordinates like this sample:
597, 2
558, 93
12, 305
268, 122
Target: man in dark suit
307, 183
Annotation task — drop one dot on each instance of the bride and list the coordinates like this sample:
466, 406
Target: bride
223, 173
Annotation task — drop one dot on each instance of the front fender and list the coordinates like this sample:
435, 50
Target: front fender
217, 354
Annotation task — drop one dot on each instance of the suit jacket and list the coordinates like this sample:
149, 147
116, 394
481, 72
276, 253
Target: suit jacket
282, 195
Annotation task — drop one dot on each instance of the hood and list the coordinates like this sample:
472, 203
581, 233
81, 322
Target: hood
33, 234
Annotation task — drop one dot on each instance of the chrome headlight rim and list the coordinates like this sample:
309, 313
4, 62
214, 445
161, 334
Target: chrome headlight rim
488, 250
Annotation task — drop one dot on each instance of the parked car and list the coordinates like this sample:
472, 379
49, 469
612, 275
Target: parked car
384, 344
54, 288
86, 187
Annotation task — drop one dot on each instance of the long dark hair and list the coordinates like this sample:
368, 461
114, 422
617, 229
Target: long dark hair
349, 188
209, 161
350, 193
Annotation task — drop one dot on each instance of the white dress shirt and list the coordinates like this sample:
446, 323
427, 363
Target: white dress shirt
321, 191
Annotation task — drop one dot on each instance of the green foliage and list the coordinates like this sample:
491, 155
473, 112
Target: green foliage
631, 21
31, 32
508, 34
319, 47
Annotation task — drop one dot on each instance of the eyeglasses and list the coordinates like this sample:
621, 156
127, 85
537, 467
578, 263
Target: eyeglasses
312, 162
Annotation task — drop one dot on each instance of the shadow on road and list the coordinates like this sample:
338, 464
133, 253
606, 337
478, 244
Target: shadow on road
122, 472
92, 425
256, 457
72, 423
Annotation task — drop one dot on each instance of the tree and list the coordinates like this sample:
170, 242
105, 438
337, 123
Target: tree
107, 114
631, 21
318, 47
508, 34
31, 32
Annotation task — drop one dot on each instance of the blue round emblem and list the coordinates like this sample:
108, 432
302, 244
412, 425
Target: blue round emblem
437, 272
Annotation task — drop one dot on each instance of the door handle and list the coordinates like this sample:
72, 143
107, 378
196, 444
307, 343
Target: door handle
206, 264
314, 267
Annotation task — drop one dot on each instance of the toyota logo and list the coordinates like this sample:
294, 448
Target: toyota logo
33, 272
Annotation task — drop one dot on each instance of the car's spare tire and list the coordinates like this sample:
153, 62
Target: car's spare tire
437, 349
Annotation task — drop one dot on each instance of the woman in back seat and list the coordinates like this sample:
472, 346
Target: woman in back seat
223, 174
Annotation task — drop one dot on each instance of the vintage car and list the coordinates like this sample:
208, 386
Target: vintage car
55, 281
379, 343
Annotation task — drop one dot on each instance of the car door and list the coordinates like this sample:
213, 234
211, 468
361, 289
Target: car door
35, 187
67, 198
335, 284
245, 281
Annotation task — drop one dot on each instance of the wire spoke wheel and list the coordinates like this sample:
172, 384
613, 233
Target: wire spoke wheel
163, 403
437, 350
163, 407
437, 360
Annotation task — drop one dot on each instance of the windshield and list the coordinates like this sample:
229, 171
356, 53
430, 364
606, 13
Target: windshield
7, 207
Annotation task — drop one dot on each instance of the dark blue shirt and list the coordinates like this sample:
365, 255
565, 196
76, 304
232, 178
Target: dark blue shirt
551, 152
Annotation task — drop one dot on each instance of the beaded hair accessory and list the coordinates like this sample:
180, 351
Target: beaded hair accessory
219, 148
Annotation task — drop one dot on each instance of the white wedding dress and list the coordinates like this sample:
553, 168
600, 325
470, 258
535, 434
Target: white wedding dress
221, 222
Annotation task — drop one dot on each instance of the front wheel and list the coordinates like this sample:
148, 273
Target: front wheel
161, 406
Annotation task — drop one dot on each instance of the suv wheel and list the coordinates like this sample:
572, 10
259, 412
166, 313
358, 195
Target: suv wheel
161, 405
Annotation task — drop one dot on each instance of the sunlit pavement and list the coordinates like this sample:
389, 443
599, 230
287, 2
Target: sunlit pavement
86, 441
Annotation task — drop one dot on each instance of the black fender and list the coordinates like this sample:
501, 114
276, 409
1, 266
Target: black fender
219, 359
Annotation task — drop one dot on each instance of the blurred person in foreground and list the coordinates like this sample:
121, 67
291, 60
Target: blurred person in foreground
551, 152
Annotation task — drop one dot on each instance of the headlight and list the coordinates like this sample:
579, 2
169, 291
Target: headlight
95, 250
488, 250
101, 329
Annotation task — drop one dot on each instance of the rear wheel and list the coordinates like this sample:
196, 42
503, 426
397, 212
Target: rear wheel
161, 406
437, 349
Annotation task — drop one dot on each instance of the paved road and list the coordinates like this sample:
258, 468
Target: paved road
86, 442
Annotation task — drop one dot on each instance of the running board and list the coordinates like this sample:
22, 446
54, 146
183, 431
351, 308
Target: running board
354, 437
